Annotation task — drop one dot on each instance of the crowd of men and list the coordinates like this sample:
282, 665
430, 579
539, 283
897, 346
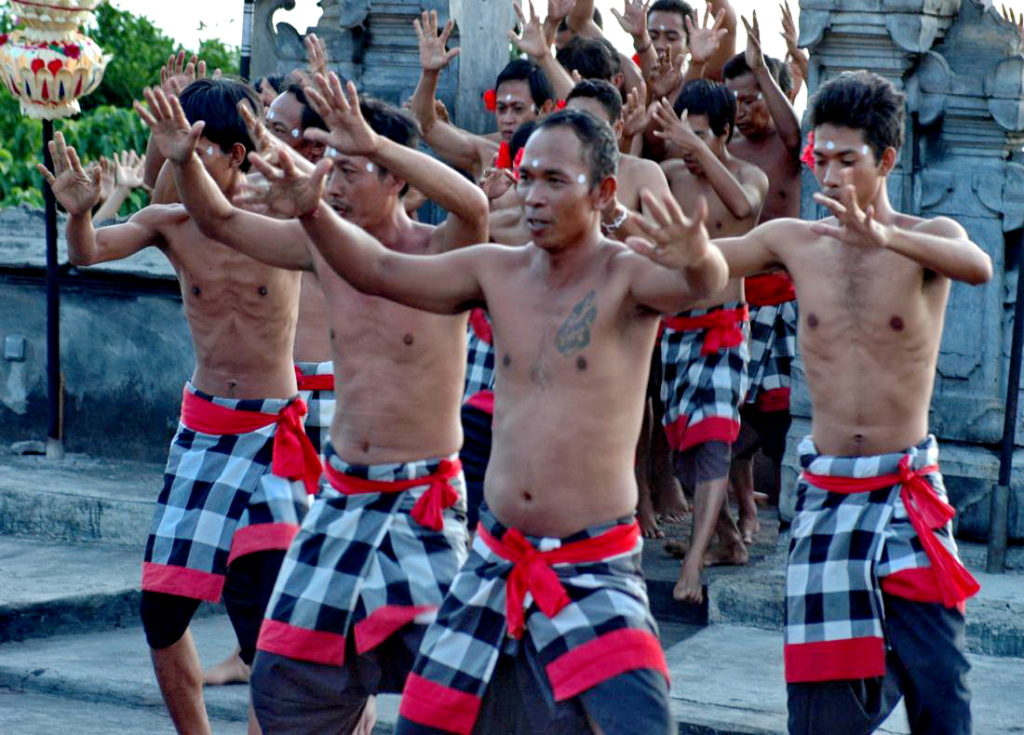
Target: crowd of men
424, 459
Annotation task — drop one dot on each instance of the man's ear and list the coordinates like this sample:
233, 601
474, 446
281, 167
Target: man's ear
238, 154
888, 162
618, 127
394, 183
603, 194
546, 109
617, 80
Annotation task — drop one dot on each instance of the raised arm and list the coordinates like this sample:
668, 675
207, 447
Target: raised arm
786, 121
279, 243
940, 245
743, 198
683, 266
447, 283
78, 191
534, 43
350, 134
456, 146
727, 41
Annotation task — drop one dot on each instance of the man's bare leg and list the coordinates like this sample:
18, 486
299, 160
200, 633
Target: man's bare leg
254, 725
645, 503
180, 677
669, 501
231, 670
741, 478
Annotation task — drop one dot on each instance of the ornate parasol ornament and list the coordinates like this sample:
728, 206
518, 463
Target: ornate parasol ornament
47, 63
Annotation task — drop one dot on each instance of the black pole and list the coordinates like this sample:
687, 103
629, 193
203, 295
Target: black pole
999, 514
54, 389
245, 66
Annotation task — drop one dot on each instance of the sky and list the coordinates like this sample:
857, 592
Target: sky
222, 18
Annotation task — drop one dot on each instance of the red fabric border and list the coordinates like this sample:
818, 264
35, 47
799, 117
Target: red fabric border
712, 429
383, 622
776, 399
317, 646
603, 658
438, 706
850, 658
482, 401
182, 581
262, 537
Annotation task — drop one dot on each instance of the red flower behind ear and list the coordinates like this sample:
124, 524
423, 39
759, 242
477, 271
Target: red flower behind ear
807, 156
560, 105
518, 162
491, 99
504, 156
636, 59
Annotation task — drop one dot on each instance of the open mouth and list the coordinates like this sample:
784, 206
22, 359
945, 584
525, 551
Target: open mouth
535, 225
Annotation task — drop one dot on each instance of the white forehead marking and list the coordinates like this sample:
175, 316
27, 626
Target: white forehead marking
662, 27
271, 114
582, 179
829, 145
369, 168
760, 96
209, 150
508, 98
296, 133
864, 150
535, 163
332, 152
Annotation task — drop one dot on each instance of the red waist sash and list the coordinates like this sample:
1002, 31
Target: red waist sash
724, 327
481, 326
313, 382
294, 457
533, 573
927, 512
428, 510
769, 289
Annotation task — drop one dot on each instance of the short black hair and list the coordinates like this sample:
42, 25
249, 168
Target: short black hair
277, 81
393, 123
519, 138
674, 6
563, 24
593, 58
704, 97
602, 91
523, 70
310, 118
596, 137
215, 102
864, 101
737, 67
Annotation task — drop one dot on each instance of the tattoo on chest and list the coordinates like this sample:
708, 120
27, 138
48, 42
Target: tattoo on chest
574, 334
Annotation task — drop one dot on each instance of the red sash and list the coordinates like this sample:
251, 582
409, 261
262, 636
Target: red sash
724, 327
313, 382
481, 326
769, 289
428, 509
294, 456
927, 512
533, 573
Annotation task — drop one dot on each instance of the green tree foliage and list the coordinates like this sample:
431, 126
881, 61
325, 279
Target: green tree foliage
107, 124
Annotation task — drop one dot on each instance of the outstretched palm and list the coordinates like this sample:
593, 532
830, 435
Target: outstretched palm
285, 192
753, 54
77, 190
705, 40
174, 137
671, 239
349, 132
633, 17
433, 55
532, 42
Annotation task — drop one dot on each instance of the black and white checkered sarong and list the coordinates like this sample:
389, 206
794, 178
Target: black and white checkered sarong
320, 404
772, 350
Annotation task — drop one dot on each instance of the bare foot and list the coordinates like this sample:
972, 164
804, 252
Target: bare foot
730, 553
760, 498
749, 528
678, 547
668, 496
688, 587
648, 521
231, 670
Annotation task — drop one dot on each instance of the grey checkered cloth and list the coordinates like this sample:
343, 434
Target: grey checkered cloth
320, 404
605, 629
845, 549
702, 394
362, 566
772, 350
219, 501
479, 356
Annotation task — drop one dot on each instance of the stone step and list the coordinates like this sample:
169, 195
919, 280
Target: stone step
78, 498
726, 680
51, 589
755, 596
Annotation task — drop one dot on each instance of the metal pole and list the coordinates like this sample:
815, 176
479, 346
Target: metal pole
245, 67
54, 388
999, 514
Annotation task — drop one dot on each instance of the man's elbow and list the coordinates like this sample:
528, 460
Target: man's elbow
80, 259
981, 273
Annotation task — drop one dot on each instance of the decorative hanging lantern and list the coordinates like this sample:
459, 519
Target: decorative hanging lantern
48, 64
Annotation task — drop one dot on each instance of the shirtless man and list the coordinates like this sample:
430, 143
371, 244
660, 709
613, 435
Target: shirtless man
769, 137
522, 93
875, 591
386, 533
572, 312
233, 497
704, 351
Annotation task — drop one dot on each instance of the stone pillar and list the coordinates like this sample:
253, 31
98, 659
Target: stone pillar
961, 66
373, 43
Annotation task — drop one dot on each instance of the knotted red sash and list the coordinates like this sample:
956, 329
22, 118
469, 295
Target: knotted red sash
313, 382
428, 510
724, 327
769, 289
927, 512
294, 456
533, 573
